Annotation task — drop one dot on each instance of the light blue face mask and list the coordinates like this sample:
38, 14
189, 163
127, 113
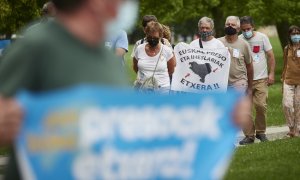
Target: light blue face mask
295, 38
247, 34
125, 19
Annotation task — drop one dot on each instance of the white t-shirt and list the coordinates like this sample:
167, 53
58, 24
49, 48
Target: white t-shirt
259, 45
146, 64
211, 44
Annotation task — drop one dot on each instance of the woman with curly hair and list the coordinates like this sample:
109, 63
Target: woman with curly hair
154, 59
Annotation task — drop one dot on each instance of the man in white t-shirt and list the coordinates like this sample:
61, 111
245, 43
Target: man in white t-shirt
206, 40
260, 48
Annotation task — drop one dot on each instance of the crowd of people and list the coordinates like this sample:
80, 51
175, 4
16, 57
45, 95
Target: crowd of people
252, 66
71, 42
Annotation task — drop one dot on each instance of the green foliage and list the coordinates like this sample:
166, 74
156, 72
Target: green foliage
15, 14
4, 151
164, 10
184, 15
270, 160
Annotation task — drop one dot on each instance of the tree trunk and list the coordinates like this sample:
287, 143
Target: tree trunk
219, 19
282, 29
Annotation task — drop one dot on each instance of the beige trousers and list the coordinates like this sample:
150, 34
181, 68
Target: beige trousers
291, 107
260, 96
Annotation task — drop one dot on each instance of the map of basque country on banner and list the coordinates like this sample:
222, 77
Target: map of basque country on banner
90, 132
200, 70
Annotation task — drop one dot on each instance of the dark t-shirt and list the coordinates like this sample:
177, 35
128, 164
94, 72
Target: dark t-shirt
48, 58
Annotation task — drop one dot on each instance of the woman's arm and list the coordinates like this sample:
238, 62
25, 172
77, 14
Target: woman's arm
285, 54
171, 65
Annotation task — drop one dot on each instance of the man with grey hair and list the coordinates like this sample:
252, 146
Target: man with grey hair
206, 31
241, 67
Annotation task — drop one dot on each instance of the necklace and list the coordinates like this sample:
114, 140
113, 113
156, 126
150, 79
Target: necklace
152, 52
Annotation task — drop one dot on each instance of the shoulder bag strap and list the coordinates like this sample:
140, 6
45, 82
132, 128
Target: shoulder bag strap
157, 61
200, 43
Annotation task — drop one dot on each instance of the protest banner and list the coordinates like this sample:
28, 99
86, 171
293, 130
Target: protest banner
3, 45
200, 70
90, 132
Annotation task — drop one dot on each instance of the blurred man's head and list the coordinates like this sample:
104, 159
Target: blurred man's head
67, 5
93, 16
49, 9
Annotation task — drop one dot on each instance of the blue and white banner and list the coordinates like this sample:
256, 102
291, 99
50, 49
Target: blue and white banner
200, 70
90, 132
3, 45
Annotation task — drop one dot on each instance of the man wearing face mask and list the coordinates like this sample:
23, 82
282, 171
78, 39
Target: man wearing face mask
70, 56
241, 67
263, 60
206, 40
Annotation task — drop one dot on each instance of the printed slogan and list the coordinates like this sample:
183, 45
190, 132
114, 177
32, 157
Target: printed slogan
95, 133
200, 70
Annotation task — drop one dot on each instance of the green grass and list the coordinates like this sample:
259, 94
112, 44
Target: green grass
3, 151
274, 112
128, 60
271, 160
275, 115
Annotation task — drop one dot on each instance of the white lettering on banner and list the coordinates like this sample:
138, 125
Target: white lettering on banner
199, 86
200, 70
164, 122
146, 124
167, 162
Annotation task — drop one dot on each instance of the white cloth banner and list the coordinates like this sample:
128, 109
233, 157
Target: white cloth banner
200, 70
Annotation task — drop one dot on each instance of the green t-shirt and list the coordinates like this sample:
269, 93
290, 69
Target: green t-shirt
48, 58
